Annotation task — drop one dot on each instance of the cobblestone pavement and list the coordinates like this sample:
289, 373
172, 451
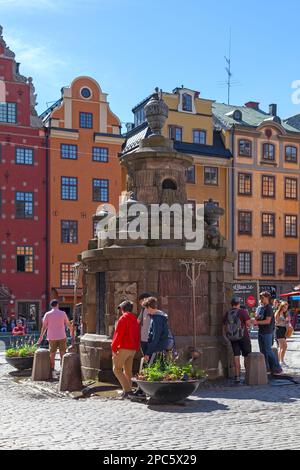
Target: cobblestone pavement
217, 418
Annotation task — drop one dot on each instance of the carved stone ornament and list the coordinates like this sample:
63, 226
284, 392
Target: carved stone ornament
156, 112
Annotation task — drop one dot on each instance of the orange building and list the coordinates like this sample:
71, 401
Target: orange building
84, 140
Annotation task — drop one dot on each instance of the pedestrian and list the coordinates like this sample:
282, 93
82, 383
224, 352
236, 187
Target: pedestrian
55, 323
237, 323
266, 326
125, 344
144, 320
158, 339
276, 305
282, 321
19, 329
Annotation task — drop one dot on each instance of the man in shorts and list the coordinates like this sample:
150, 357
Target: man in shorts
243, 344
55, 322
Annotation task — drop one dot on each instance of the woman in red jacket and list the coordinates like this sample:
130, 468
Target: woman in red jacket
125, 343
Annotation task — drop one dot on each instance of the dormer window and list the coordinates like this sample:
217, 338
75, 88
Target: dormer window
139, 117
237, 115
175, 133
187, 102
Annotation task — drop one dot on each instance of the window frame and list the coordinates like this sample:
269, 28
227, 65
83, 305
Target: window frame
69, 148
295, 273
273, 222
250, 175
107, 188
84, 117
94, 159
62, 285
286, 179
245, 154
24, 205
62, 229
26, 256
200, 131
62, 185
267, 158
291, 225
217, 174
173, 129
248, 273
184, 102
270, 177
248, 213
193, 180
268, 253
24, 149
285, 154
7, 104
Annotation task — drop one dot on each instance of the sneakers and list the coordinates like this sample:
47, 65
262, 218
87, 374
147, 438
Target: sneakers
127, 396
277, 372
237, 380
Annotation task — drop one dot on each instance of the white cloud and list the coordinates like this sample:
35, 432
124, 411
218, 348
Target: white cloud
36, 59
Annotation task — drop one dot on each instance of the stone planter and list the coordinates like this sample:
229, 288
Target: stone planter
169, 392
20, 363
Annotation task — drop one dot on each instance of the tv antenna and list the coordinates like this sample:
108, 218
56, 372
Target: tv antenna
228, 70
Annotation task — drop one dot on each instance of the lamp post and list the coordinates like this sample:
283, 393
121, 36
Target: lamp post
193, 272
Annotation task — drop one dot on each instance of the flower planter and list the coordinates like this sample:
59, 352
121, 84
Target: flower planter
169, 392
20, 363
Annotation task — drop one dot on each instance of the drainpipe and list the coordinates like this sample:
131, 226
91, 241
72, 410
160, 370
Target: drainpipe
47, 217
232, 192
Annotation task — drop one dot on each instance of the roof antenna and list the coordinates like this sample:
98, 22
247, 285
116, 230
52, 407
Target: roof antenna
228, 69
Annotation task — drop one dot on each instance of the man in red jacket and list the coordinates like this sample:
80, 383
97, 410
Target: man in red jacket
125, 343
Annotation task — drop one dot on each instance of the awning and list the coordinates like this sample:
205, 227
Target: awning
68, 292
291, 294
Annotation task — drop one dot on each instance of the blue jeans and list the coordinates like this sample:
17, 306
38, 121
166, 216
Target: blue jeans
265, 342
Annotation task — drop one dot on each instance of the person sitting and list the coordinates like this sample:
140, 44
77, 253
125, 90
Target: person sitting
19, 330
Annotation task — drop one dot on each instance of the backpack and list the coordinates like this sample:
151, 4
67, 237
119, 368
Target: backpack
233, 326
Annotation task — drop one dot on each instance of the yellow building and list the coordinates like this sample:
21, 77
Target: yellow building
265, 194
190, 125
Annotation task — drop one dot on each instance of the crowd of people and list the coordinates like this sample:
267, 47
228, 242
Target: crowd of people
16, 328
274, 324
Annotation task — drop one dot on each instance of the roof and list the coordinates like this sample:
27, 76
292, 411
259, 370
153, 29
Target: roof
218, 149
294, 121
46, 114
224, 118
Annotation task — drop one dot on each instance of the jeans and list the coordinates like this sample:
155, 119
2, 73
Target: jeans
144, 345
265, 342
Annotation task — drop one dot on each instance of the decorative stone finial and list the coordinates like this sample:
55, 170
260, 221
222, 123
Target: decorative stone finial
212, 213
156, 112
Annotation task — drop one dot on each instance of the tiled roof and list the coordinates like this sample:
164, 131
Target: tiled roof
294, 121
218, 149
224, 118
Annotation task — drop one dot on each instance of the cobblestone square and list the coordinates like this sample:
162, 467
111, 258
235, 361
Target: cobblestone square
215, 418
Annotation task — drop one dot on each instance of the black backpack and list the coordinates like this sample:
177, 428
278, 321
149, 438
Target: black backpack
234, 329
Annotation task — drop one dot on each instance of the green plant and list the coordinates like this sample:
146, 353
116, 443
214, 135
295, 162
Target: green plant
26, 349
164, 370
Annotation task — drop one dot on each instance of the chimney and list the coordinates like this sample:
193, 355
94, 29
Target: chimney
252, 105
273, 110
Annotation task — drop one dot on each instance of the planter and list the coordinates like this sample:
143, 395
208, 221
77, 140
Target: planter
169, 392
20, 363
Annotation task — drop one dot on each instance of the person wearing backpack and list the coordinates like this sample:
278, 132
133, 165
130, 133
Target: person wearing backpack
236, 329
159, 335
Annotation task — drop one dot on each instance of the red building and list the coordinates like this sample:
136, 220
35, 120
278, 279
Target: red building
23, 241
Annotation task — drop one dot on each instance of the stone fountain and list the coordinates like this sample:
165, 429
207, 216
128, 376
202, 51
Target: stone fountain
118, 268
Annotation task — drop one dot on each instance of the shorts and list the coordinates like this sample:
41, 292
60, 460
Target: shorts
60, 344
280, 332
243, 346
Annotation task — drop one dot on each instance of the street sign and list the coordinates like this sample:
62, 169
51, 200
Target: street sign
247, 293
251, 301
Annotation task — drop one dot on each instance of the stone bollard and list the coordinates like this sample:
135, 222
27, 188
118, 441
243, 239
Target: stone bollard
70, 376
256, 372
41, 365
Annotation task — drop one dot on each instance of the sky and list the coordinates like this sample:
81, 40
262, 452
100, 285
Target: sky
132, 46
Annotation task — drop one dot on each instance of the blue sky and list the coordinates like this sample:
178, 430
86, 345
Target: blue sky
132, 46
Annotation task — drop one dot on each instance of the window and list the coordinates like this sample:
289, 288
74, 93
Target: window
85, 93
268, 225
291, 226
69, 231
291, 154
67, 275
24, 156
190, 174
68, 151
211, 175
269, 152
24, 205
86, 120
245, 223
291, 264
69, 188
139, 116
268, 264
199, 137
187, 103
175, 133
245, 184
8, 113
291, 188
100, 154
100, 190
24, 259
245, 148
268, 186
245, 263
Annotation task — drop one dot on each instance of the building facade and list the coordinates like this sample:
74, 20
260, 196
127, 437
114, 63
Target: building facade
84, 140
22, 196
190, 125
265, 194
